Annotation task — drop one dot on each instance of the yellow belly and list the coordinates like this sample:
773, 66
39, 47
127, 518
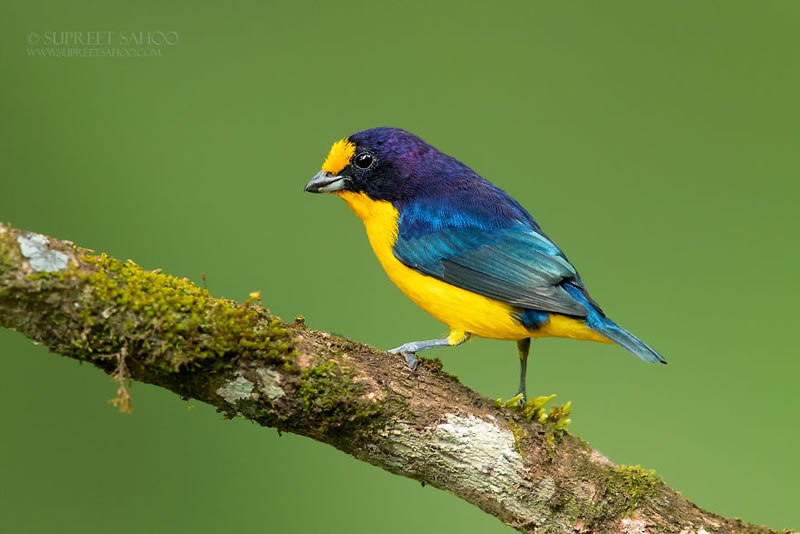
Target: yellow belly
457, 308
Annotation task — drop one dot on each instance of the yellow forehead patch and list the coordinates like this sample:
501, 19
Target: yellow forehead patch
339, 156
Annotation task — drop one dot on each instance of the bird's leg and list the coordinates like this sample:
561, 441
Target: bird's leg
409, 350
524, 347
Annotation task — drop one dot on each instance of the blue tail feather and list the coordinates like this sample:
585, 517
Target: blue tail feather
605, 326
625, 339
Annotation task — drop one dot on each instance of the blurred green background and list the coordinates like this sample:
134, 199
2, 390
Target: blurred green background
657, 144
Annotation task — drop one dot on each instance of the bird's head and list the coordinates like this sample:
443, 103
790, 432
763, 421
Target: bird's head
383, 163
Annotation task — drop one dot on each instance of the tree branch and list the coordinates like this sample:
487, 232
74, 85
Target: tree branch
147, 326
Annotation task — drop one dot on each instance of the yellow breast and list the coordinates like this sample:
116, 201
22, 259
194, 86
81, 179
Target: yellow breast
458, 308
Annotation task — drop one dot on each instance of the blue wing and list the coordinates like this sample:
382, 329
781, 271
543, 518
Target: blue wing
490, 245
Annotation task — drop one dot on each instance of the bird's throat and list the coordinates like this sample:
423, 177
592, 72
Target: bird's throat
379, 216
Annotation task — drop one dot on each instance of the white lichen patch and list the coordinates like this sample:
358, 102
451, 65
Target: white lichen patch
465, 453
271, 383
484, 445
236, 390
36, 250
480, 452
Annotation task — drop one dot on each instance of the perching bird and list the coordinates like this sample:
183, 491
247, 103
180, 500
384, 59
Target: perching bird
461, 248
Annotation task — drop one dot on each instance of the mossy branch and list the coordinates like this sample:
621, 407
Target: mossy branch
155, 328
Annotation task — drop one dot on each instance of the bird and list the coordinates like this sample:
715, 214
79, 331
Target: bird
463, 249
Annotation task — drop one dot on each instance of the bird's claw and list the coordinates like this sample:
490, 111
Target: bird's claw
411, 357
411, 360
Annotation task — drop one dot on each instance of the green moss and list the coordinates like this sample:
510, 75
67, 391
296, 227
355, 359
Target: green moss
633, 485
519, 434
175, 322
534, 410
9, 253
511, 404
626, 489
434, 364
558, 416
60, 275
313, 379
330, 394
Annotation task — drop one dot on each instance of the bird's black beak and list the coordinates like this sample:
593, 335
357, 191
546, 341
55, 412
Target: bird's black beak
325, 182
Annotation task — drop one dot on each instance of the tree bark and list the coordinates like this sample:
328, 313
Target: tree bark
151, 327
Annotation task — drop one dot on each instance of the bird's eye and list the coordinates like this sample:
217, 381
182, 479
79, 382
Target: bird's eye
364, 160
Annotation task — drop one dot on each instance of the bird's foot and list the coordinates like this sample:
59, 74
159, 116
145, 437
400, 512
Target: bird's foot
411, 358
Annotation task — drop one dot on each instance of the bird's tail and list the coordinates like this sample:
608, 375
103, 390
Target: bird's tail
625, 339
601, 324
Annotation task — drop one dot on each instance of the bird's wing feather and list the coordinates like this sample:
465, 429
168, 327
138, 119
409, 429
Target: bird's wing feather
507, 259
